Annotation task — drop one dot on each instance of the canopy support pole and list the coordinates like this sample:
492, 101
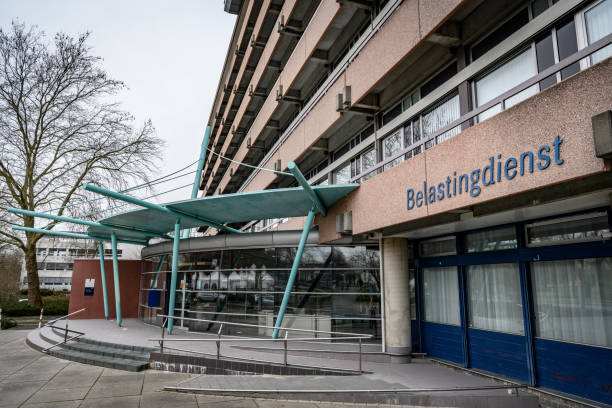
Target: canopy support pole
157, 207
198, 175
116, 278
173, 279
294, 270
293, 168
103, 278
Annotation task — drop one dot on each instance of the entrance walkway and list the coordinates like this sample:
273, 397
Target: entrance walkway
29, 378
383, 378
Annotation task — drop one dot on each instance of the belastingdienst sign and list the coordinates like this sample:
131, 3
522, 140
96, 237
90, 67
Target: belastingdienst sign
493, 172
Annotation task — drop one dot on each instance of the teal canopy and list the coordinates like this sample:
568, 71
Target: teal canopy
222, 209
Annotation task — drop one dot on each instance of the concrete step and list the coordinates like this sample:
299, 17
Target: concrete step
106, 351
85, 339
125, 364
103, 355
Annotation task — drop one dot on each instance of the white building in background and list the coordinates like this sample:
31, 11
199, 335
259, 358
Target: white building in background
56, 255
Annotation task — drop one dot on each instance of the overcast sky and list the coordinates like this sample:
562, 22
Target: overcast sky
169, 53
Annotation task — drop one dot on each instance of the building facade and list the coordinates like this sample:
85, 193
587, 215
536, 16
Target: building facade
480, 134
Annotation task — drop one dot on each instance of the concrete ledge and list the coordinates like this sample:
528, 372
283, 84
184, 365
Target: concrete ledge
386, 397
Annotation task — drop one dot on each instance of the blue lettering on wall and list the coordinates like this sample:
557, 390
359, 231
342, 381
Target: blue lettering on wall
495, 171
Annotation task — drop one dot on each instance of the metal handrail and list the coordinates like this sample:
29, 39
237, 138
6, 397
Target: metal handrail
581, 54
263, 292
347, 370
66, 329
354, 335
312, 317
266, 269
218, 340
64, 317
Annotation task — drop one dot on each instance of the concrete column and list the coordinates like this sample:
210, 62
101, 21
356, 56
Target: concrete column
397, 299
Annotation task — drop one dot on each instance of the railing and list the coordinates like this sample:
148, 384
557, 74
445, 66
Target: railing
468, 117
66, 329
218, 340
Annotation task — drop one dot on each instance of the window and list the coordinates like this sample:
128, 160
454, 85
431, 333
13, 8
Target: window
503, 32
550, 52
491, 240
503, 78
368, 160
598, 23
411, 99
573, 300
438, 247
441, 295
494, 298
391, 114
584, 227
441, 115
343, 174
391, 146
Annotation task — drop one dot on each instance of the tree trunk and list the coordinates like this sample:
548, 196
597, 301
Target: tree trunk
34, 298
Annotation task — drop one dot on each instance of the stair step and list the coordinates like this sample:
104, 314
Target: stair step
137, 349
106, 351
98, 360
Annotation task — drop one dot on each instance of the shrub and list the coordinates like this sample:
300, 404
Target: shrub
8, 323
56, 305
53, 305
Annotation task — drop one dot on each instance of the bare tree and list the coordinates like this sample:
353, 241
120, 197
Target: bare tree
10, 271
59, 128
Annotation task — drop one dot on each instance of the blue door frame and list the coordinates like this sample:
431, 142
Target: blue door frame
536, 361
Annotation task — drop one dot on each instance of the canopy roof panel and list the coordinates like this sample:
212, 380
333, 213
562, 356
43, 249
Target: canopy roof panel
222, 209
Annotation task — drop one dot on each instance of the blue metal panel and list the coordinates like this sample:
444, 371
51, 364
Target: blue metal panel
575, 369
500, 353
443, 341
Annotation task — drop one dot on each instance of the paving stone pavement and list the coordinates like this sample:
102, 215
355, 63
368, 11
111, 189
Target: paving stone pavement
29, 378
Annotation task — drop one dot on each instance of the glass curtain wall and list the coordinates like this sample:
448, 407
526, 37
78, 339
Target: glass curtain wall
152, 297
337, 289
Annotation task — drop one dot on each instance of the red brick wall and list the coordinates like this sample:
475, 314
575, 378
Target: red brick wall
129, 278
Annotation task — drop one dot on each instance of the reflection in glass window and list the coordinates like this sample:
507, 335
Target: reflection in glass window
440, 116
504, 78
343, 174
391, 146
368, 160
586, 227
494, 298
573, 300
491, 240
411, 279
438, 247
441, 295
598, 25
